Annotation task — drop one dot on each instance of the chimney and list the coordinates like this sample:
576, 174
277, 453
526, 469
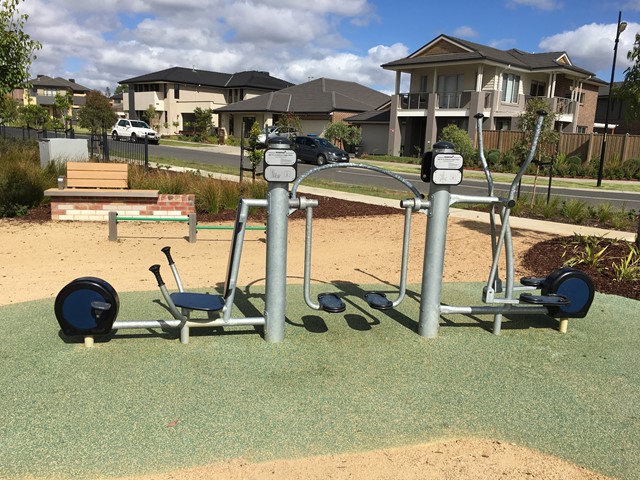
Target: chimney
72, 80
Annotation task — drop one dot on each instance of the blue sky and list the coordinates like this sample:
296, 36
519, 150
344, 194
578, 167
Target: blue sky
101, 42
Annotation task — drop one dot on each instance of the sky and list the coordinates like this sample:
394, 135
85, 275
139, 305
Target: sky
101, 42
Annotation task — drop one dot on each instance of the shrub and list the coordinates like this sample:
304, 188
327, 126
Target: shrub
576, 211
22, 181
461, 142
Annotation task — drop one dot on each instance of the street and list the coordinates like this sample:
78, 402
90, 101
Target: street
364, 178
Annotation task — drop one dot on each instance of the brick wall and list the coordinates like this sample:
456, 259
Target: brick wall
94, 209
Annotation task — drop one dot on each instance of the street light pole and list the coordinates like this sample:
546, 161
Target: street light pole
620, 29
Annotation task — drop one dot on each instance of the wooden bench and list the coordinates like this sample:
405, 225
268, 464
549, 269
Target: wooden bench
97, 175
97, 180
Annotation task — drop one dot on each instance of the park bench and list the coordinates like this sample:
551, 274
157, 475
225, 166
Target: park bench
91, 189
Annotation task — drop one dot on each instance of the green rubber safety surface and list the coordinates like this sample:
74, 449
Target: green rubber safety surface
142, 402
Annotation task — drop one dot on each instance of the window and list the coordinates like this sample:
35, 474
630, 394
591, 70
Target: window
537, 89
449, 91
581, 129
510, 87
176, 91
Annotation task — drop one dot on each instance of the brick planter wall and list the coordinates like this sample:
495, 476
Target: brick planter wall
94, 209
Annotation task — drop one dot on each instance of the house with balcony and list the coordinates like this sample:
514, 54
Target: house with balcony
450, 80
176, 92
43, 89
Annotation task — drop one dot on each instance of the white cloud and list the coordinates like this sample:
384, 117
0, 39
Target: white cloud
591, 46
465, 32
101, 42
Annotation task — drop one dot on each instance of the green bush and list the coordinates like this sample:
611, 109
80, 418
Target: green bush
22, 180
461, 142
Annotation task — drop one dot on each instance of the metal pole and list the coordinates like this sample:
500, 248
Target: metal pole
276, 268
620, 29
434, 261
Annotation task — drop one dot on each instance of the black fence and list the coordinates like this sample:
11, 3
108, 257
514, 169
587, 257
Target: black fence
28, 133
101, 147
124, 150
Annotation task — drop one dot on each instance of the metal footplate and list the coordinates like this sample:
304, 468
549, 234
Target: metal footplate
203, 302
551, 300
378, 300
331, 303
536, 282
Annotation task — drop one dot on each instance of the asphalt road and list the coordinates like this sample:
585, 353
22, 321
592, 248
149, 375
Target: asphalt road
370, 178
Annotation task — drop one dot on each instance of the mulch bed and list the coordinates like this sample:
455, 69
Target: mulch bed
544, 257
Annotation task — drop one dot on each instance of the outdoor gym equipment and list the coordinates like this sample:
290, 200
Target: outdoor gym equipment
331, 302
565, 293
88, 306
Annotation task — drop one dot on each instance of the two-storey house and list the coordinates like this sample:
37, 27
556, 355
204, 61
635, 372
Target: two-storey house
176, 92
43, 89
451, 80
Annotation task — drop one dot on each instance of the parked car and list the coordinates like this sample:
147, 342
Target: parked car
134, 130
276, 131
318, 150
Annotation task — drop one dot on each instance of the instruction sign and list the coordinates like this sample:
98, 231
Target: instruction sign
447, 169
280, 165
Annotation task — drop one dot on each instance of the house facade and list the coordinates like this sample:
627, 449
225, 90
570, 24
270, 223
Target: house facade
617, 121
315, 103
450, 80
43, 89
176, 92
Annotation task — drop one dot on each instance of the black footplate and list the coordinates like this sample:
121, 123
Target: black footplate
532, 281
378, 300
331, 303
549, 300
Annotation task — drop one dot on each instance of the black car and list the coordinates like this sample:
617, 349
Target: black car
318, 150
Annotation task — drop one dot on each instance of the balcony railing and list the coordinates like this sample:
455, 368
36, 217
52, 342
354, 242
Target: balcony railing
559, 105
414, 100
446, 100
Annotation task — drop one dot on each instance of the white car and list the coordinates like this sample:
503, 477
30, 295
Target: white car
276, 131
134, 130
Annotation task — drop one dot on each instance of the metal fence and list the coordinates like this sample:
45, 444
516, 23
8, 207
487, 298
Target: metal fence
101, 147
107, 149
587, 146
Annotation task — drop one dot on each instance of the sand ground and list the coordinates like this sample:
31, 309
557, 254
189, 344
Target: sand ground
38, 259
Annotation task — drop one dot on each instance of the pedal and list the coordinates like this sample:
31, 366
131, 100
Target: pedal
536, 282
378, 300
331, 303
550, 300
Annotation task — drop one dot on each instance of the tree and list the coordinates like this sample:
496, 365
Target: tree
203, 120
97, 115
343, 134
121, 89
629, 91
8, 109
290, 120
33, 115
16, 47
548, 139
151, 116
62, 105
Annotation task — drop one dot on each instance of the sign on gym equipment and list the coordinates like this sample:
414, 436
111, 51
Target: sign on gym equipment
280, 165
447, 169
